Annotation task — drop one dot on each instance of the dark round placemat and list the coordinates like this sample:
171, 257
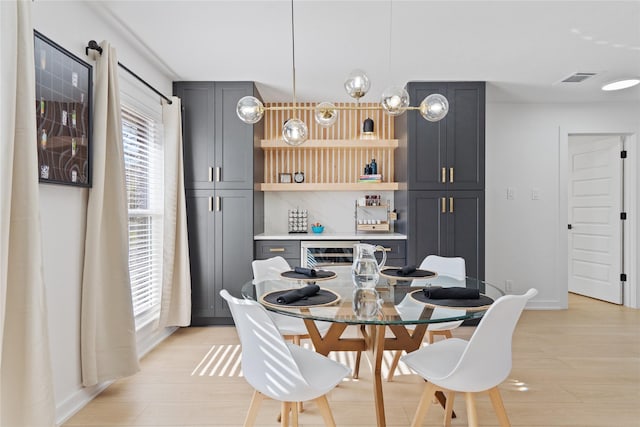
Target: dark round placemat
320, 275
323, 297
482, 303
393, 272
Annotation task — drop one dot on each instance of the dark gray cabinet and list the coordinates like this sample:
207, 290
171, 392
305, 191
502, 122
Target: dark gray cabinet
218, 146
442, 164
446, 224
287, 249
395, 250
448, 154
221, 165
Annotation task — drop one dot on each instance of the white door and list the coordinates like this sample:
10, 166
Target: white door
595, 200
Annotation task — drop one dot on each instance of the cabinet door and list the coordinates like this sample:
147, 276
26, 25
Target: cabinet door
233, 138
288, 249
198, 133
395, 250
233, 242
426, 143
465, 229
200, 229
465, 157
426, 225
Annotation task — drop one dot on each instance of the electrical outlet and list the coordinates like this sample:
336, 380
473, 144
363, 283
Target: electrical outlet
535, 194
508, 285
510, 193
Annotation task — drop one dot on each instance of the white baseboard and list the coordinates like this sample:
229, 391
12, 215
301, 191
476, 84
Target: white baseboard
146, 342
77, 401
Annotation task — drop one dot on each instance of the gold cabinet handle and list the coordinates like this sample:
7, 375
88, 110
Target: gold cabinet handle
210, 174
450, 174
443, 204
210, 204
450, 204
218, 173
444, 175
387, 249
276, 249
217, 203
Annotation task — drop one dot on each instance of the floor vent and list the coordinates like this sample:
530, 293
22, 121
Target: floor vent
577, 77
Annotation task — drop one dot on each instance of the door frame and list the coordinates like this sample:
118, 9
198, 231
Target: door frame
630, 288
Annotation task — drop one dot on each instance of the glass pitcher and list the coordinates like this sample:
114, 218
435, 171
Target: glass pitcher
365, 270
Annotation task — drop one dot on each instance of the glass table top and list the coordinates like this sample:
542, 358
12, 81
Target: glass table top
402, 302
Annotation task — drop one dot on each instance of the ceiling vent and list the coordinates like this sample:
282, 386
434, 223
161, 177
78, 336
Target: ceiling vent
577, 77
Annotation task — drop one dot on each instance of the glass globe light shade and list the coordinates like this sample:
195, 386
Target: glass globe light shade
434, 107
357, 84
325, 114
294, 132
250, 109
395, 100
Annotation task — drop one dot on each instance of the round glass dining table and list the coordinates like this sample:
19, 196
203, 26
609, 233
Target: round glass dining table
401, 305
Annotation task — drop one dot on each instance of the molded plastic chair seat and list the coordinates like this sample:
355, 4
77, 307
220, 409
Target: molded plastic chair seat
453, 268
477, 365
291, 327
280, 370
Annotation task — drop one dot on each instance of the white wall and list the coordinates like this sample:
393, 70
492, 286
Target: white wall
333, 209
523, 144
72, 24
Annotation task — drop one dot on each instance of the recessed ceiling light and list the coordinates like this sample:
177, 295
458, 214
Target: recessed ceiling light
621, 84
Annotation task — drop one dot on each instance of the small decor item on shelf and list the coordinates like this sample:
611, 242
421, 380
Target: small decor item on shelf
298, 177
370, 178
317, 228
372, 214
367, 129
284, 178
297, 220
374, 167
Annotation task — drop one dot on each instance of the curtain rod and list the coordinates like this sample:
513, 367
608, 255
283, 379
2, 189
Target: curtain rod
93, 45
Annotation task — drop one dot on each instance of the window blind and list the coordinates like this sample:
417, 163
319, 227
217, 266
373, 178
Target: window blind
143, 158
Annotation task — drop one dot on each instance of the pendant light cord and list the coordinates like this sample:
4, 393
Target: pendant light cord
293, 56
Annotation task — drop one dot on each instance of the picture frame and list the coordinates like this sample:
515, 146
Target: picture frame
285, 178
64, 114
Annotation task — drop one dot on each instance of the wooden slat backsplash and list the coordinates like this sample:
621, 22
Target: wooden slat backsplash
348, 125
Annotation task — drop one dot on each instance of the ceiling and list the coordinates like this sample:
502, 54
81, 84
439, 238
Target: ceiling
521, 48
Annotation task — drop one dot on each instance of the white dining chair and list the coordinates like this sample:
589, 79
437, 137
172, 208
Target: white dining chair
280, 370
290, 327
452, 267
478, 365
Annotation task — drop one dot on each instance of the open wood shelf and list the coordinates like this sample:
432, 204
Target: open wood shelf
335, 186
331, 143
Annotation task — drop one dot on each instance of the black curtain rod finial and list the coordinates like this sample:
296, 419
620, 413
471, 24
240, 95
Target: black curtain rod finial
93, 45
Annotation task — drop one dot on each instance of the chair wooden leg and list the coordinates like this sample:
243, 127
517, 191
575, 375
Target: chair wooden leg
284, 414
472, 414
498, 406
424, 404
323, 405
394, 365
294, 413
430, 336
448, 408
447, 333
356, 369
252, 413
300, 407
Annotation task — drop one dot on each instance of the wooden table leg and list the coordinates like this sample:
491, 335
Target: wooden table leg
374, 338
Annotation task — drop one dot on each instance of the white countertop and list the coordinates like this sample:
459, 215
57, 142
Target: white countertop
330, 236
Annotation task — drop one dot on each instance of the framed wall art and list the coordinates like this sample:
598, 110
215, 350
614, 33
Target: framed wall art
63, 114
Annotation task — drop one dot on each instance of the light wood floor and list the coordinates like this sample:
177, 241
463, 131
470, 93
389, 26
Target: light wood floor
578, 367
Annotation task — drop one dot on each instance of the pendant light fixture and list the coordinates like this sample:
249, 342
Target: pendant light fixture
394, 101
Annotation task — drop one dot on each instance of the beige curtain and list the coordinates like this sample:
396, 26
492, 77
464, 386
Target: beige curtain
175, 307
26, 385
107, 329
